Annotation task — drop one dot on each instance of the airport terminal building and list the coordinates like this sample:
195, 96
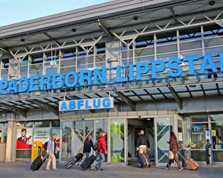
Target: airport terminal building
120, 66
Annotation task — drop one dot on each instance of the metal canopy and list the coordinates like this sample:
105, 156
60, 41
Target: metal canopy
130, 95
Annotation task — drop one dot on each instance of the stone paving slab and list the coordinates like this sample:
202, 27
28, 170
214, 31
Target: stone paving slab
21, 169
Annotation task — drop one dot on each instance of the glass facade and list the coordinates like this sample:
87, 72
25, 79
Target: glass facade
196, 126
163, 128
27, 132
3, 132
117, 140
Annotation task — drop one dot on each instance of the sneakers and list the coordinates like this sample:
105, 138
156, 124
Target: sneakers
101, 169
48, 170
96, 168
167, 168
181, 169
55, 169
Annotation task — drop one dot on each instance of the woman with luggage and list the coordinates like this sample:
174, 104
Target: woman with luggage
52, 149
175, 149
101, 151
88, 144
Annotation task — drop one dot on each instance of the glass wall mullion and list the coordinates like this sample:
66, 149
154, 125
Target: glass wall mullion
109, 140
155, 47
202, 40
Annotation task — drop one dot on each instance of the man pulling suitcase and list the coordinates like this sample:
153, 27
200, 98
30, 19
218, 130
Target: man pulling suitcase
143, 146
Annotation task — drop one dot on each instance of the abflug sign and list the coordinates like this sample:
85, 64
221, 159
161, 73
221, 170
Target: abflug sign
100, 76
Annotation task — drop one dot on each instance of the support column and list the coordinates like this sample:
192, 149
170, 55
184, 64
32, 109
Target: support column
11, 138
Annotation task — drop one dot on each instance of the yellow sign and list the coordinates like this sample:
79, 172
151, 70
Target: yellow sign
36, 149
213, 133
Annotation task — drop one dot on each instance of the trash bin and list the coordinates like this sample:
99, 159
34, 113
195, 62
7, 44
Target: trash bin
2, 151
185, 152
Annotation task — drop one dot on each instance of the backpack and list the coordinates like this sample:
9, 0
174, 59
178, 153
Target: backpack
45, 146
96, 145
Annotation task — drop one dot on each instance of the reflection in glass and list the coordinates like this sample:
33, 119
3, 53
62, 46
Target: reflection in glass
164, 127
117, 140
102, 125
66, 140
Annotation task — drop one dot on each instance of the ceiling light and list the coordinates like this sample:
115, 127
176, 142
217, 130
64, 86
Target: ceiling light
135, 17
211, 3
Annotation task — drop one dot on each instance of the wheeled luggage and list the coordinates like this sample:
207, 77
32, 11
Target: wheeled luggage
86, 164
190, 162
38, 162
143, 160
73, 160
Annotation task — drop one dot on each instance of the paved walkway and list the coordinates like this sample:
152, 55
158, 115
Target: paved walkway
21, 169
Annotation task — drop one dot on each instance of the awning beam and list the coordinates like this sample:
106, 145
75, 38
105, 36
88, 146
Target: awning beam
127, 101
46, 106
176, 97
14, 109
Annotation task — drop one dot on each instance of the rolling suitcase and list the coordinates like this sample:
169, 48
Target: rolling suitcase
143, 160
38, 162
73, 160
86, 164
190, 162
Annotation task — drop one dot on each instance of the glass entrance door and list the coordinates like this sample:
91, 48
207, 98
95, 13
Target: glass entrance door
163, 127
82, 129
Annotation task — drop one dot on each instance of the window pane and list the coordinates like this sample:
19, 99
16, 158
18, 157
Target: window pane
55, 123
102, 125
196, 135
217, 135
42, 124
216, 117
66, 140
198, 118
24, 139
117, 140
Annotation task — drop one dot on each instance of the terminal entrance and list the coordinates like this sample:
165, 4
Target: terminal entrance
134, 128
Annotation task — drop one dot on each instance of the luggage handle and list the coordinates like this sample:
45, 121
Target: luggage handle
182, 156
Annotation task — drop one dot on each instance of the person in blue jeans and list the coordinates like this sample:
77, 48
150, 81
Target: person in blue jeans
101, 151
88, 144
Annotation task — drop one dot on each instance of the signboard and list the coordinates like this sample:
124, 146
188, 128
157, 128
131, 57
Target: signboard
24, 138
137, 72
86, 104
41, 134
208, 135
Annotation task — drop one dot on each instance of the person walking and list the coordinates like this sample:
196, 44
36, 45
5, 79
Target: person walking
175, 149
88, 144
52, 149
101, 151
143, 144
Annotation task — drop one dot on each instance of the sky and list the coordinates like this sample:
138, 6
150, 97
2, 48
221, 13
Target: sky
13, 11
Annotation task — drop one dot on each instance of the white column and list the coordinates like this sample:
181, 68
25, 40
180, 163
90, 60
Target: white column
11, 138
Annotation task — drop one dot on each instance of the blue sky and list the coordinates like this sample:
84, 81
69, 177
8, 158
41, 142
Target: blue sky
12, 11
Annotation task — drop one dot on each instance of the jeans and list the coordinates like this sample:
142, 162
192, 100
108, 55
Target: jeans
87, 156
100, 161
53, 159
143, 150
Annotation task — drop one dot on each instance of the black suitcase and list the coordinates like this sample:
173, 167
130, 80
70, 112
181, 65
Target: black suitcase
73, 160
143, 160
86, 164
38, 162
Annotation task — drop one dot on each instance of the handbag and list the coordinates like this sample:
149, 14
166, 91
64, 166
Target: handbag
170, 155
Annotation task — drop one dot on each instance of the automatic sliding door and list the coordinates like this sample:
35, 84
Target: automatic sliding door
102, 125
163, 127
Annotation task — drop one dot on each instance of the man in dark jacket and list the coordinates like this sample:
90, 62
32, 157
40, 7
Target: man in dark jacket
88, 144
143, 143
